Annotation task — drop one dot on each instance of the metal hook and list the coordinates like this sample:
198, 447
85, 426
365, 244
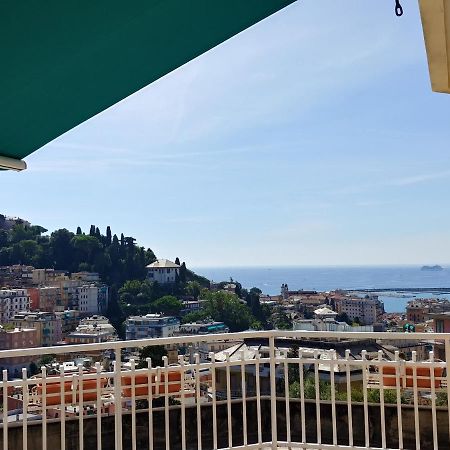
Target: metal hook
398, 8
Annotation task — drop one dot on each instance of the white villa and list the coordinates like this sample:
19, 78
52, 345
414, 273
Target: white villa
163, 271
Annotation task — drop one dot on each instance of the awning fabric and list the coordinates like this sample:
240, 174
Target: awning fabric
435, 16
63, 61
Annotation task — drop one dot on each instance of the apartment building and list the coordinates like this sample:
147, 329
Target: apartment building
45, 276
367, 310
14, 338
11, 302
47, 324
92, 330
151, 326
16, 276
419, 311
87, 296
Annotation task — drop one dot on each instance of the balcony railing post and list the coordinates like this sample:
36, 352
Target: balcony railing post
98, 405
273, 392
447, 372
183, 403
5, 410
25, 401
44, 407
118, 399
398, 381
80, 406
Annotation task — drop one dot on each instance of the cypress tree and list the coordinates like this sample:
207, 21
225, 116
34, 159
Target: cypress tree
183, 272
79, 231
108, 235
92, 230
177, 261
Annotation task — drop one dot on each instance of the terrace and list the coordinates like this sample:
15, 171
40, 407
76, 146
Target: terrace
279, 389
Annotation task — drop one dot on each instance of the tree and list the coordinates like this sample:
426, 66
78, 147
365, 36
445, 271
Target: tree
193, 288
108, 236
79, 231
183, 273
132, 287
281, 320
343, 318
33, 369
195, 316
45, 360
62, 250
226, 307
177, 261
155, 352
92, 230
86, 247
3, 238
253, 302
168, 304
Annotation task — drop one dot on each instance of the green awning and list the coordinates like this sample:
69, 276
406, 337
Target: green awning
63, 61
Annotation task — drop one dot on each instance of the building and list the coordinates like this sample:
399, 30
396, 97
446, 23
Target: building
151, 326
91, 330
286, 293
45, 276
70, 319
366, 310
243, 352
441, 324
50, 299
16, 276
87, 297
85, 276
102, 298
15, 338
8, 222
191, 305
325, 320
205, 327
47, 324
163, 271
418, 311
11, 302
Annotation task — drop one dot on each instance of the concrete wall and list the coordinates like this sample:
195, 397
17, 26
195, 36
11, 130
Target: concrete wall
53, 428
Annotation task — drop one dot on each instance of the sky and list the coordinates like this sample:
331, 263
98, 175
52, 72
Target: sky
312, 138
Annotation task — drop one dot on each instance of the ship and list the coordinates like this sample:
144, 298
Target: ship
435, 268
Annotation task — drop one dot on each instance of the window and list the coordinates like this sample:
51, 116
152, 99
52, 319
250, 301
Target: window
439, 325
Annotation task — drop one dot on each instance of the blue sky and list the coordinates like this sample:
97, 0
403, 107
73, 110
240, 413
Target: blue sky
312, 138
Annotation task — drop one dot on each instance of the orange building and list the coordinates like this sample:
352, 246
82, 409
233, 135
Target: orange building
34, 298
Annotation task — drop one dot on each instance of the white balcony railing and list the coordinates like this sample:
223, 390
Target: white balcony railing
310, 390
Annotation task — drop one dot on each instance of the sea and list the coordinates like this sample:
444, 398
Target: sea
270, 279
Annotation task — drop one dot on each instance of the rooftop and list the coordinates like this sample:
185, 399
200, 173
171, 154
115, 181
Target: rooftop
163, 264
